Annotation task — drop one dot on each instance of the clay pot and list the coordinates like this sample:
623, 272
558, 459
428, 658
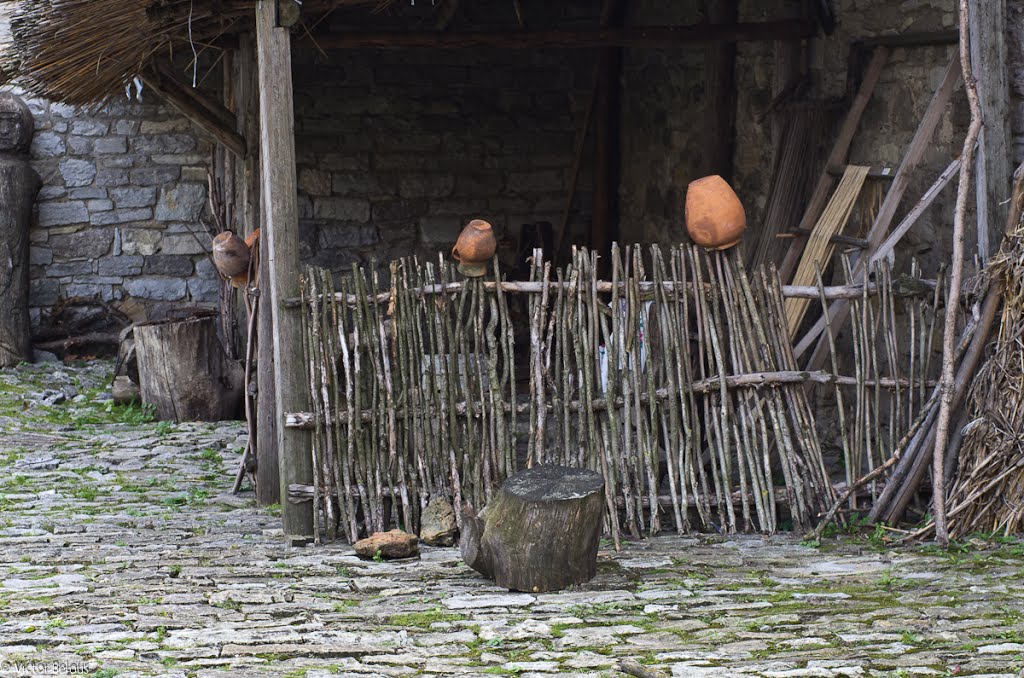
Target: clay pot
230, 254
252, 241
474, 248
714, 214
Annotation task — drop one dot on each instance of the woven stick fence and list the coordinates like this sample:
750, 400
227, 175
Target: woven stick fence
675, 380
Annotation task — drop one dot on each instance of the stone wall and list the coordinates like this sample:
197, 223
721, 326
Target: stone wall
117, 217
398, 150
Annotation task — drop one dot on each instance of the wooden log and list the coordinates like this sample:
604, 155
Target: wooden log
541, 532
184, 372
213, 119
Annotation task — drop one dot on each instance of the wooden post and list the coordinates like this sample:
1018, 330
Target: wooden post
604, 229
268, 477
720, 94
988, 57
280, 234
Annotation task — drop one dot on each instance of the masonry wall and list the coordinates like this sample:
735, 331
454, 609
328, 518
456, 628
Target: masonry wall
398, 150
118, 215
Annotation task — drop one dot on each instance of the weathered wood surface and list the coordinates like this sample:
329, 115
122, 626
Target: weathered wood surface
19, 184
280, 233
540, 532
184, 372
989, 61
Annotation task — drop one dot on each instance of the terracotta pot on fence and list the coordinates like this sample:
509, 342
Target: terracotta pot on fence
474, 248
230, 254
714, 214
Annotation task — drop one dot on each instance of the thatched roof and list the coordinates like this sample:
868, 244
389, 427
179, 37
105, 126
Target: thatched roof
81, 52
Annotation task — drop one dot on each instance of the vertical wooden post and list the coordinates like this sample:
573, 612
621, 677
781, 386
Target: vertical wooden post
993, 180
607, 130
247, 184
720, 94
281, 226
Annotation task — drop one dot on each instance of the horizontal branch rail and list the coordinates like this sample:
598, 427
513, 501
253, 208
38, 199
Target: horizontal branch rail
905, 286
306, 420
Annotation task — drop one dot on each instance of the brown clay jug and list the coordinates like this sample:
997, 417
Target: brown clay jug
474, 248
230, 254
715, 218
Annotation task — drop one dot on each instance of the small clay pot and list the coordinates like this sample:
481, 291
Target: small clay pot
474, 248
715, 218
252, 241
230, 254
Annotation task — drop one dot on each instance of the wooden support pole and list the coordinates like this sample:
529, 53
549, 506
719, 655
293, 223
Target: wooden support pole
720, 93
652, 36
604, 229
210, 117
280, 233
826, 182
987, 37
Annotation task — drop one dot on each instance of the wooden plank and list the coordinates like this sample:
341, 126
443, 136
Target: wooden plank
198, 110
989, 63
281, 226
840, 149
607, 132
840, 310
651, 36
914, 214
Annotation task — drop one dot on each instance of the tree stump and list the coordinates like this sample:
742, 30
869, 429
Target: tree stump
540, 533
184, 371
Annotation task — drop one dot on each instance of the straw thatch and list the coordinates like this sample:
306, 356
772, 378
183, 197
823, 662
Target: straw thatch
988, 490
81, 52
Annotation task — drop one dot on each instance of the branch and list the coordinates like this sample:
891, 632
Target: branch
956, 277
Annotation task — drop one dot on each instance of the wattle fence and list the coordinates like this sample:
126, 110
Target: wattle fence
675, 379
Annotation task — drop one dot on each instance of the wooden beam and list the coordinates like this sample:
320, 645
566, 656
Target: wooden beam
840, 149
280, 234
210, 117
607, 133
720, 93
840, 310
989, 62
653, 36
912, 39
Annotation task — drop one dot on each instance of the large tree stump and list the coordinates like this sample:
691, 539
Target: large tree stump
540, 533
184, 371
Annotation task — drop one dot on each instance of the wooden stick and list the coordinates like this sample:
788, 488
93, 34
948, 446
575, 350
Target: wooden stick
851, 291
952, 307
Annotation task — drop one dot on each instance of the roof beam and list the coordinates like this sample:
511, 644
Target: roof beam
211, 117
653, 36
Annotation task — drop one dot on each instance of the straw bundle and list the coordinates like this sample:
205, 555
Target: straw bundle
988, 491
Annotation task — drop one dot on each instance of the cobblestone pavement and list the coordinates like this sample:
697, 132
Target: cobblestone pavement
123, 553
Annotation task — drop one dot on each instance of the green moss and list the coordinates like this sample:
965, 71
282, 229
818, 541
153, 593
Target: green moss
425, 618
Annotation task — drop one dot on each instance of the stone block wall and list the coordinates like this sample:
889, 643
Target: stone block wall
398, 150
118, 215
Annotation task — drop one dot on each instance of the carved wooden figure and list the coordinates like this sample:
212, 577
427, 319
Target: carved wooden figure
19, 184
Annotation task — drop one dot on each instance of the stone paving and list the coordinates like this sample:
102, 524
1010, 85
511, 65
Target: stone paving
123, 553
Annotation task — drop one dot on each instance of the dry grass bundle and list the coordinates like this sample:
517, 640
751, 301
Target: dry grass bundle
988, 492
81, 52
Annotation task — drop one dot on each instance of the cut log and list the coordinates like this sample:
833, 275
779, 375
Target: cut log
185, 373
541, 532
